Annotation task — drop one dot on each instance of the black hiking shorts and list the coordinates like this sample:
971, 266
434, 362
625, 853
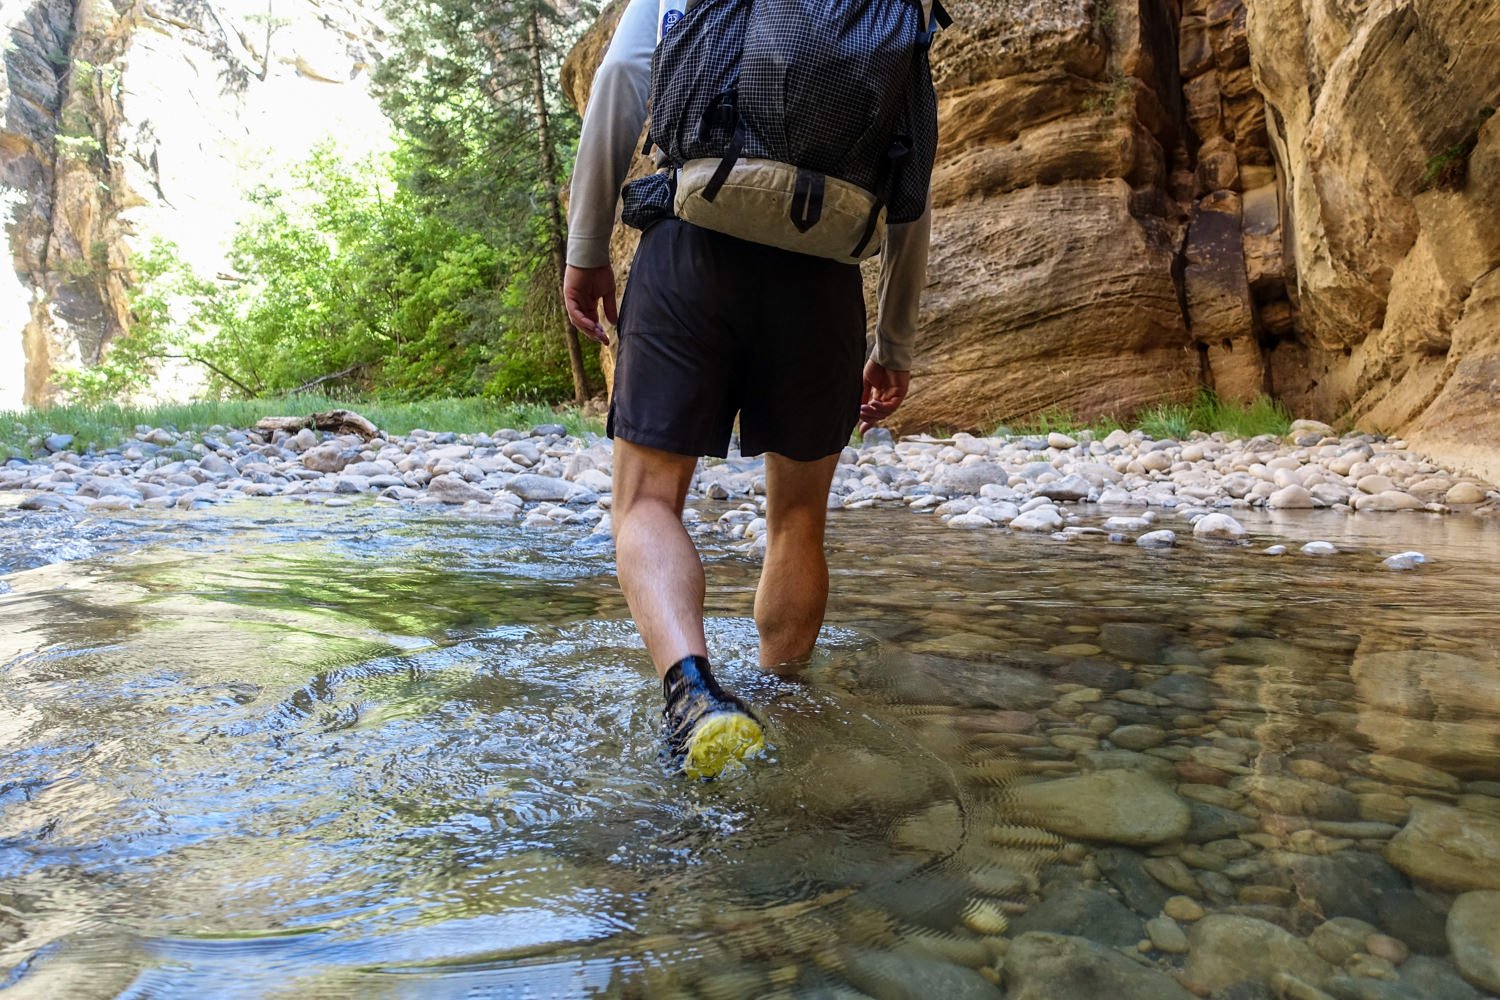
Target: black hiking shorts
712, 327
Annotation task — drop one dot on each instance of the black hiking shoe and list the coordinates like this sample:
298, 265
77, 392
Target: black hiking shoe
707, 728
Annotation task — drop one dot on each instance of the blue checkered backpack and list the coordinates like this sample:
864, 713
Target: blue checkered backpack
802, 124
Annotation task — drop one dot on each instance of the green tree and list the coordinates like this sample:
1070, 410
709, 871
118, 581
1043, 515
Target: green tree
473, 86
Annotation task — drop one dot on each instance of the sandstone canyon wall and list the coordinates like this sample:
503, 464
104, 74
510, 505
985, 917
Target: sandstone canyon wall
1134, 198
122, 121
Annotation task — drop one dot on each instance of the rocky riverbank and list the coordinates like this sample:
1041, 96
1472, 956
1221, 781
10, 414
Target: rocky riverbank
544, 478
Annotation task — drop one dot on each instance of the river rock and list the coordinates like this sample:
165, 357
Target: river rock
1299, 797
1406, 772
1431, 706
1415, 918
1139, 642
1388, 500
1291, 497
534, 488
1345, 884
911, 975
1038, 519
327, 458
1431, 979
1162, 539
1474, 937
1340, 939
1042, 966
1463, 494
956, 480
1122, 807
1086, 913
1124, 870
1226, 949
1449, 847
452, 489
1070, 487
1219, 527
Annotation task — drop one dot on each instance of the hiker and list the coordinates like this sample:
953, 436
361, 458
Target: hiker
713, 326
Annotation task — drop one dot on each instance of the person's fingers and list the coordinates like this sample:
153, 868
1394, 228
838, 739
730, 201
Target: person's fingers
611, 307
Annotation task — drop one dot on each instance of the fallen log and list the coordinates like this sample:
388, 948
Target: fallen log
337, 421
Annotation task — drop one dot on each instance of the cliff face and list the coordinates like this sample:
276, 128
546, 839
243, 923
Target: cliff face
122, 122
1380, 117
1137, 197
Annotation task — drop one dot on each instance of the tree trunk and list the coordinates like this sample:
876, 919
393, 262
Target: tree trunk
557, 234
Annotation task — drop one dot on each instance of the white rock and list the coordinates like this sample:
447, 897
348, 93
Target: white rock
1218, 526
1038, 519
970, 521
1388, 500
1060, 441
1404, 560
1274, 550
1163, 539
1319, 549
452, 489
1464, 493
1292, 497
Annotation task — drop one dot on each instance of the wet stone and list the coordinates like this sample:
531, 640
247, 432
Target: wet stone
1414, 918
1042, 966
1456, 849
1166, 935
1226, 949
1138, 642
1086, 913
1118, 806
1352, 987
1340, 939
1210, 822
1474, 938
908, 975
1431, 979
1138, 737
1124, 870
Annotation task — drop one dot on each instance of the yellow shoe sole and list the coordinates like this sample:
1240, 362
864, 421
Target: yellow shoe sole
719, 741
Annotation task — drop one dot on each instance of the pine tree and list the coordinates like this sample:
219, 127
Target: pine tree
474, 88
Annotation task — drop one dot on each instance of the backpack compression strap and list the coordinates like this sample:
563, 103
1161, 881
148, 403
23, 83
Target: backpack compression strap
723, 112
890, 168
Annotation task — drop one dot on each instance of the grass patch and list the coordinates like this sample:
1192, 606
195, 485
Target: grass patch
1206, 413
1209, 414
1060, 421
100, 427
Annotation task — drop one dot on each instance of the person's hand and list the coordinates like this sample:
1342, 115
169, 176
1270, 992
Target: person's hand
883, 392
583, 289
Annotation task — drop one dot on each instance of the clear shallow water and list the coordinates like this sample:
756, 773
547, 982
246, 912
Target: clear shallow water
269, 750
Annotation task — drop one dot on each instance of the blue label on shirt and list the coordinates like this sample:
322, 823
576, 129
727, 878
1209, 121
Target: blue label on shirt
669, 19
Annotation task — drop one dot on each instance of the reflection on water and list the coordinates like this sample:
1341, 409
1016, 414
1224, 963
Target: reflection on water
278, 752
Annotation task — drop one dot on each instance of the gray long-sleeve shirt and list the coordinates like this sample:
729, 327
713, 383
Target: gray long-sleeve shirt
611, 128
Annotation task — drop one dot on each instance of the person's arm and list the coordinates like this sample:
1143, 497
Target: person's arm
903, 274
611, 128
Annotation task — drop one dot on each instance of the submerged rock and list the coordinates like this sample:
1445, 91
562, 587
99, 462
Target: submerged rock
1123, 807
1042, 966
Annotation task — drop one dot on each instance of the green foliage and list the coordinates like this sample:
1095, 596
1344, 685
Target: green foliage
170, 310
1209, 414
1449, 169
1206, 413
104, 426
1061, 421
346, 281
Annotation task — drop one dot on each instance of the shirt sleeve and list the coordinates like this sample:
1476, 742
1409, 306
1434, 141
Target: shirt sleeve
611, 128
903, 274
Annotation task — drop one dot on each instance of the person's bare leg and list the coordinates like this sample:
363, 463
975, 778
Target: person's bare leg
793, 590
658, 565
